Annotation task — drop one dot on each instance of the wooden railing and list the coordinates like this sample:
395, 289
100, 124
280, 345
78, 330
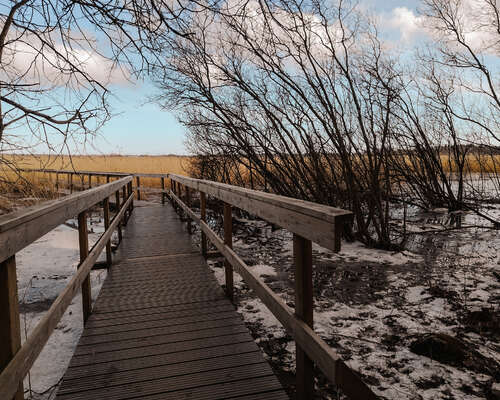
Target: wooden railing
309, 222
69, 182
19, 229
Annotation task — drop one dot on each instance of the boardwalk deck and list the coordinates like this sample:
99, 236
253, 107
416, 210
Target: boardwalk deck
162, 327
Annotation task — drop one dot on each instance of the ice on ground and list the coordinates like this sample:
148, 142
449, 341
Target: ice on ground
44, 268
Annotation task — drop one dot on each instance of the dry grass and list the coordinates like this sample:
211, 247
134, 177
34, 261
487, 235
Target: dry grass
103, 163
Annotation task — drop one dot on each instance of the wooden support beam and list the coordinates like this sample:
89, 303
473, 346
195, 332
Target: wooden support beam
124, 195
10, 331
130, 191
105, 205
228, 241
90, 181
84, 252
203, 213
138, 184
119, 226
188, 202
302, 255
162, 190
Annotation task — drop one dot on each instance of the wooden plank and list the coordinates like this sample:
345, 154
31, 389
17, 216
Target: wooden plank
316, 348
313, 221
176, 383
127, 377
138, 187
228, 241
302, 255
83, 239
203, 216
17, 369
105, 205
118, 364
10, 331
21, 228
163, 348
230, 328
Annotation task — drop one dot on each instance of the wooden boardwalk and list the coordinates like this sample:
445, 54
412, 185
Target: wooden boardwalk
162, 327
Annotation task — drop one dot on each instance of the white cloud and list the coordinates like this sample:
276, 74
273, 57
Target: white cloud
406, 21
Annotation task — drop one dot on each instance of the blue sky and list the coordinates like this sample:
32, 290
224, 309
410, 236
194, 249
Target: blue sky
139, 126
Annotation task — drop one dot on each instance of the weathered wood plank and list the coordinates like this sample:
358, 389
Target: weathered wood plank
21, 228
10, 331
17, 369
313, 221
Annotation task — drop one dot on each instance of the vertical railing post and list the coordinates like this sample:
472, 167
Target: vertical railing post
138, 185
203, 214
119, 226
162, 190
57, 181
124, 195
107, 178
302, 255
105, 205
90, 181
130, 191
188, 203
70, 182
228, 241
84, 252
10, 329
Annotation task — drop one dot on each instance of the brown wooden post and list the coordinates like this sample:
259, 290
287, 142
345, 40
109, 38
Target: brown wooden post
138, 185
105, 205
10, 329
107, 178
302, 255
203, 214
162, 190
84, 252
57, 181
124, 195
188, 203
119, 226
90, 181
130, 191
70, 185
228, 241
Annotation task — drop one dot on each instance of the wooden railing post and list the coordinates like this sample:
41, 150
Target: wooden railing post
119, 227
302, 255
162, 190
90, 181
57, 181
188, 203
84, 252
126, 215
105, 205
10, 330
138, 185
228, 241
107, 178
203, 214
70, 182
130, 191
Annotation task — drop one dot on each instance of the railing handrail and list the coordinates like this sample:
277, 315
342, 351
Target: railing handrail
95, 173
21, 228
297, 216
298, 322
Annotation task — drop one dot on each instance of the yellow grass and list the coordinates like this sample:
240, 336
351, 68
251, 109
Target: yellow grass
102, 163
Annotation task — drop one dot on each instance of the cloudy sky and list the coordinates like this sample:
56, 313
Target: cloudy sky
143, 128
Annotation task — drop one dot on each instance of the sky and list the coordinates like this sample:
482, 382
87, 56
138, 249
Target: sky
140, 127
